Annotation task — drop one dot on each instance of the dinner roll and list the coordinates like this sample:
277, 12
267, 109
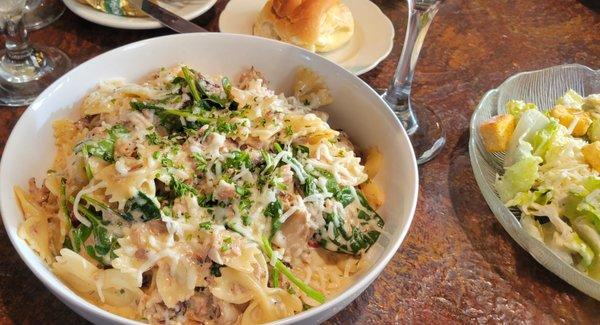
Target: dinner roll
317, 25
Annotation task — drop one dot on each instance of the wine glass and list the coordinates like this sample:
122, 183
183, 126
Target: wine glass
25, 70
41, 13
422, 124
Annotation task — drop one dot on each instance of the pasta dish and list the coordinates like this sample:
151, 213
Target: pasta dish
186, 199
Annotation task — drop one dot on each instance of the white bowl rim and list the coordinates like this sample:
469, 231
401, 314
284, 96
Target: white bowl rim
360, 286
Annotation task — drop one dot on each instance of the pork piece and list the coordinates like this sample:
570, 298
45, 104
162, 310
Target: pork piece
203, 308
124, 147
224, 191
140, 232
39, 194
297, 233
249, 75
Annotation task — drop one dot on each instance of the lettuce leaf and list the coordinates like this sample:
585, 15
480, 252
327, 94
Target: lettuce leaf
543, 138
571, 98
539, 196
517, 107
594, 131
518, 178
585, 203
590, 235
519, 147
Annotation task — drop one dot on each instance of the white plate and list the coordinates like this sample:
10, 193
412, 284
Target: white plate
372, 41
356, 109
188, 9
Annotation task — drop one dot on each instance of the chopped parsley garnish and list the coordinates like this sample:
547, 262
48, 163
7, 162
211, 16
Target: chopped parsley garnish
206, 225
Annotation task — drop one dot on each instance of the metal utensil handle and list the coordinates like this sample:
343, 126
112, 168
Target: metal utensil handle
170, 19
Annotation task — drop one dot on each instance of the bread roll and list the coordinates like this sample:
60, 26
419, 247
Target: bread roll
317, 25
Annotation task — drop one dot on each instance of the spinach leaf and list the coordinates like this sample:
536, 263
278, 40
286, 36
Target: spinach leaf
310, 186
104, 243
355, 240
344, 196
274, 211
170, 119
105, 149
78, 236
141, 207
215, 269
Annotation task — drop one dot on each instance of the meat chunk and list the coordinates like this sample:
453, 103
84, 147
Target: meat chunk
296, 232
203, 308
224, 191
249, 75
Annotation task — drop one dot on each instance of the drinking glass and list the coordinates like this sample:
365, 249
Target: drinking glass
422, 124
41, 13
25, 69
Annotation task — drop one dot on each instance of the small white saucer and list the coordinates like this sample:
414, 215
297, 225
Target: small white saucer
372, 41
188, 9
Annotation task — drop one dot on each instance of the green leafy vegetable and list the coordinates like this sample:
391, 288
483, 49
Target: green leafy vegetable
104, 243
201, 163
517, 107
338, 236
518, 178
280, 267
543, 139
206, 225
236, 160
170, 119
215, 269
141, 207
594, 131
104, 149
89, 174
63, 198
274, 211
275, 278
571, 98
227, 87
78, 236
191, 83
344, 196
180, 188
101, 206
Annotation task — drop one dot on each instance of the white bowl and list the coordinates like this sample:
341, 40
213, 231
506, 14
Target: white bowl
357, 109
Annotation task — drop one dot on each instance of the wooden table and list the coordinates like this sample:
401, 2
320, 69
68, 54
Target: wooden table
457, 264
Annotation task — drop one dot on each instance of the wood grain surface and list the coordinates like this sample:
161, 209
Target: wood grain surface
457, 264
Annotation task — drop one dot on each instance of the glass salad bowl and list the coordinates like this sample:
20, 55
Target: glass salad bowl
541, 87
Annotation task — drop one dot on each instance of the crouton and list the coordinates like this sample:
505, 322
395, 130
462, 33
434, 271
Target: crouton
591, 153
496, 132
569, 115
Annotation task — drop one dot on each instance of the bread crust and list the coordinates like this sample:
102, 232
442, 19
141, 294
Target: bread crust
298, 21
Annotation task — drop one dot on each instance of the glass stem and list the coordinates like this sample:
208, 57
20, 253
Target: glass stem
398, 93
17, 40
